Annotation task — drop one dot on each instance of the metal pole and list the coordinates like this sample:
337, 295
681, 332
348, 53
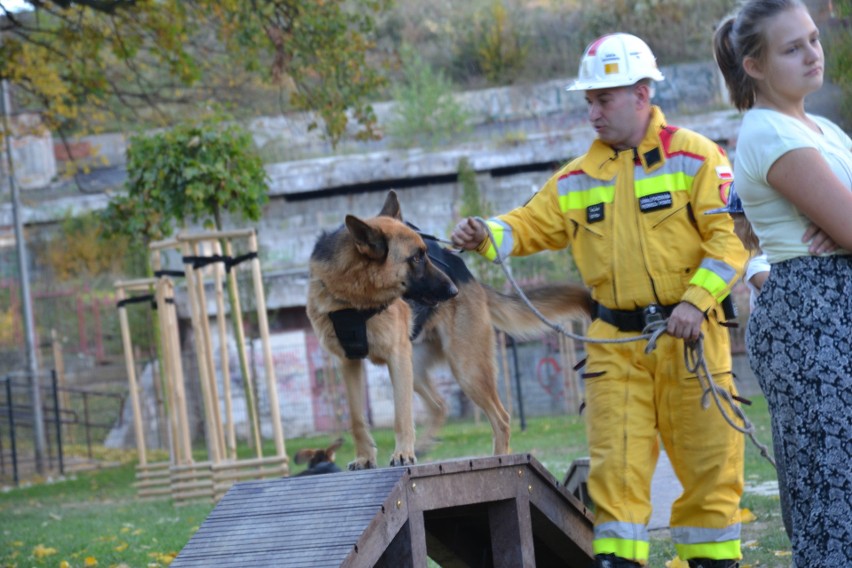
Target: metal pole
12, 430
518, 384
56, 411
23, 274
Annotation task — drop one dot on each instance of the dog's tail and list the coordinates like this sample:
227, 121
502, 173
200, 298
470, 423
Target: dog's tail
556, 302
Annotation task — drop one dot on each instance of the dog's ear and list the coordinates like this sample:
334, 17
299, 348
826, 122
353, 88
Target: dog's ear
391, 207
330, 451
303, 456
370, 241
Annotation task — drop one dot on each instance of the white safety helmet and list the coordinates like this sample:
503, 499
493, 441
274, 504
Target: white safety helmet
616, 60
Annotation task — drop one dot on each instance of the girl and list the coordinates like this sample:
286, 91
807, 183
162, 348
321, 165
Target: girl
793, 168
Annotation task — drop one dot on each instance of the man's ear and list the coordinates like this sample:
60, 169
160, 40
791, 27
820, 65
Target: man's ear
753, 68
643, 94
369, 240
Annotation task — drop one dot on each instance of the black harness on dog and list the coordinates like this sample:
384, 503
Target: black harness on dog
350, 326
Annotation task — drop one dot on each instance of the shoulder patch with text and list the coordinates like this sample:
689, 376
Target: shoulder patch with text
595, 213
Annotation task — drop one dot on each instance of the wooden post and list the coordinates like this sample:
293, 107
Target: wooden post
181, 449
224, 359
160, 398
199, 313
176, 438
263, 324
171, 338
213, 385
131, 377
239, 328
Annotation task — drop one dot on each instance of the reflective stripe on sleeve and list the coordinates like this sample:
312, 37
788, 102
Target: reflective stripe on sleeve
503, 239
714, 276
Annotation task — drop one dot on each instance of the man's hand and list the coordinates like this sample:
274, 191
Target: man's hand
685, 322
819, 241
468, 234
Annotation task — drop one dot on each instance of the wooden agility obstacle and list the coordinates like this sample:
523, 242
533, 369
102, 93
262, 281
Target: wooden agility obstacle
502, 511
184, 478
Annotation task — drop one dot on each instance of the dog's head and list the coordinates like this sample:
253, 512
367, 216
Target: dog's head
398, 255
318, 460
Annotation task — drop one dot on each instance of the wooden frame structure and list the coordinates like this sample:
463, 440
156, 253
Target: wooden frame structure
183, 478
502, 511
151, 477
208, 256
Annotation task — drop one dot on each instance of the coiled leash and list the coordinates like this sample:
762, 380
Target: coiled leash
693, 353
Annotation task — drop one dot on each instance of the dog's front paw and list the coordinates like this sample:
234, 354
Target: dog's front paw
402, 459
362, 463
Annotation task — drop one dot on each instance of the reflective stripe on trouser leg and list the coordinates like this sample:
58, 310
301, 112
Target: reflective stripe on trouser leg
705, 451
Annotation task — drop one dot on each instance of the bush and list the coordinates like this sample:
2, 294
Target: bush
426, 113
838, 59
520, 41
494, 47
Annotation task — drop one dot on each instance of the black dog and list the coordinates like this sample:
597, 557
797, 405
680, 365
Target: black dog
319, 461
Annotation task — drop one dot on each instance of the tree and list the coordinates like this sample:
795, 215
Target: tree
82, 64
193, 172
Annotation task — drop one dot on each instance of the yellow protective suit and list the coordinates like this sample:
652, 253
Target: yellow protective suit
635, 223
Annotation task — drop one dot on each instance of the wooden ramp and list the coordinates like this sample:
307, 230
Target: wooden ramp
503, 511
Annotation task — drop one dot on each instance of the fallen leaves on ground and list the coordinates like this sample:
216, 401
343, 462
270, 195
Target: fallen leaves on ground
41, 551
165, 558
746, 516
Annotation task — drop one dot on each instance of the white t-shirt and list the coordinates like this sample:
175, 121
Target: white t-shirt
765, 136
756, 265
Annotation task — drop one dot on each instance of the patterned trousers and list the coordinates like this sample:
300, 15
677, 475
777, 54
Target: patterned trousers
800, 347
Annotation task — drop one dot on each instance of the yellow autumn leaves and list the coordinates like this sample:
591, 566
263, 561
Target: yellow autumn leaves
42, 553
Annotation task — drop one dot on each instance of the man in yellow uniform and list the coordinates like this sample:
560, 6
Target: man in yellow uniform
632, 211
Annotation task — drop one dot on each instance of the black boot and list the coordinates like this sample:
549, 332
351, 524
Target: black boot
613, 561
706, 563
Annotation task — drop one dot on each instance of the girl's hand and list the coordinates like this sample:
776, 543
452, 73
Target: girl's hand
820, 242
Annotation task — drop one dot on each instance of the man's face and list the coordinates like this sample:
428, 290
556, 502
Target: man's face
616, 117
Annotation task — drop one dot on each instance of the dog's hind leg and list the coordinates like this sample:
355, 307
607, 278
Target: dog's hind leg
365, 447
436, 411
426, 354
476, 371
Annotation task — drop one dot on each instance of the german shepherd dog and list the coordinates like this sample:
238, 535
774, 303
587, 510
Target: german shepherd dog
375, 292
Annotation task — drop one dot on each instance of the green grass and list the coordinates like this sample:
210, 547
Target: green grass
97, 516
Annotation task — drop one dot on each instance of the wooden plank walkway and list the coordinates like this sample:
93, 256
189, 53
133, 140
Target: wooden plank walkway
503, 511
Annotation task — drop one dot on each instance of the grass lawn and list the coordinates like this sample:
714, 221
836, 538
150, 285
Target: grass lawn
94, 519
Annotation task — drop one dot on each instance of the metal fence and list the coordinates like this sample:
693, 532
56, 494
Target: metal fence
69, 415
